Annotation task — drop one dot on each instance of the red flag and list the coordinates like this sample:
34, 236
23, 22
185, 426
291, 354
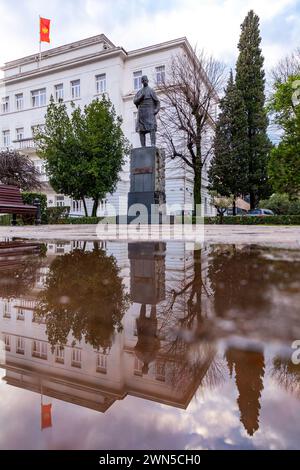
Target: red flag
46, 419
44, 30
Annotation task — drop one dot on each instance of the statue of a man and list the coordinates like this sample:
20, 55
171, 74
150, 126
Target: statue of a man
148, 106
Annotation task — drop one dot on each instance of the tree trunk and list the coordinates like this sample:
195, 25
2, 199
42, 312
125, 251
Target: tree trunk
95, 207
234, 206
85, 208
252, 200
96, 246
197, 186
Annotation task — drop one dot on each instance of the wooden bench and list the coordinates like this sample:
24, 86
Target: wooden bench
11, 202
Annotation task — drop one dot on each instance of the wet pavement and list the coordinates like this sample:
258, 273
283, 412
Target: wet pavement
149, 345
284, 236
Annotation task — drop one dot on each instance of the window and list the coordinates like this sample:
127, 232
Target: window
77, 245
19, 101
38, 98
59, 92
160, 373
135, 114
138, 367
60, 201
76, 358
20, 133
6, 138
160, 74
75, 89
76, 206
40, 167
101, 83
5, 104
60, 354
6, 310
20, 347
60, 248
102, 363
7, 342
21, 314
137, 80
39, 349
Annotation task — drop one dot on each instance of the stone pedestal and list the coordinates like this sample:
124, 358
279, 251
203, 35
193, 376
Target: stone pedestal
147, 198
147, 272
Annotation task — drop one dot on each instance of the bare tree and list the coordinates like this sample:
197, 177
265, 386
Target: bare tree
289, 65
189, 100
18, 170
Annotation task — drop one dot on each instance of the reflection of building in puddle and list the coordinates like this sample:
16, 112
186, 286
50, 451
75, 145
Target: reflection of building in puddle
95, 377
180, 302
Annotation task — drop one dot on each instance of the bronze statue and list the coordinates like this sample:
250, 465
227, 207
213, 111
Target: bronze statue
148, 106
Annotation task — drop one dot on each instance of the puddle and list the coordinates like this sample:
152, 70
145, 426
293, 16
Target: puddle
148, 345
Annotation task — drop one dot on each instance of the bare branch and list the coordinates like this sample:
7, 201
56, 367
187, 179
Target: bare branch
189, 107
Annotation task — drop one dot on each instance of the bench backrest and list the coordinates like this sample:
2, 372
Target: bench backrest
10, 195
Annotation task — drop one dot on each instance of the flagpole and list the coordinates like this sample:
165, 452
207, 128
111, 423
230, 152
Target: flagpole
40, 54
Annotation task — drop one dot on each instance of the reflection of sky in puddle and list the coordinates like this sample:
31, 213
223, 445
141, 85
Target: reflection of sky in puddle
217, 343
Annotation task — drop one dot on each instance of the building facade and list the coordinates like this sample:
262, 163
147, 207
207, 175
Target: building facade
80, 72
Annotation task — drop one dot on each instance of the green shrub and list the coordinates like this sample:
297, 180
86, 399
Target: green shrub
57, 214
28, 198
294, 207
5, 219
249, 220
281, 204
80, 220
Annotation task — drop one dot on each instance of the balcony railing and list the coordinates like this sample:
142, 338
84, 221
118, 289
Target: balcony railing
23, 144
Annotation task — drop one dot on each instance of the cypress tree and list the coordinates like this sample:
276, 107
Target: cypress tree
250, 80
228, 172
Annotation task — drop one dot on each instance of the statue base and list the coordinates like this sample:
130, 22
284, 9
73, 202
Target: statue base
147, 198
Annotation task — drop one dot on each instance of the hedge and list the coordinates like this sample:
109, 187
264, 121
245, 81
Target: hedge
80, 220
249, 220
55, 214
230, 220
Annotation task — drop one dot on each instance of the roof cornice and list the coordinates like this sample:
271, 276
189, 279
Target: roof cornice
38, 72
100, 38
163, 45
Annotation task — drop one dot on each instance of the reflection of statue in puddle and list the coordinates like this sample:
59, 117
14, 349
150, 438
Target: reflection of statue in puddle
148, 343
147, 274
249, 373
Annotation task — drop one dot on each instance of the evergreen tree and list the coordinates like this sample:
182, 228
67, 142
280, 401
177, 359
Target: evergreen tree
284, 164
250, 80
228, 172
249, 374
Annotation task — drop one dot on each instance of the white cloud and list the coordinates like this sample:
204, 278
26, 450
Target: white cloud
211, 24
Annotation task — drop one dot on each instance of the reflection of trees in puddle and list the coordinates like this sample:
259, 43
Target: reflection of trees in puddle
184, 328
83, 296
249, 368
19, 268
258, 289
287, 375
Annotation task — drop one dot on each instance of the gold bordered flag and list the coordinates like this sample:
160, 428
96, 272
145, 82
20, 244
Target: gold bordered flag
44, 30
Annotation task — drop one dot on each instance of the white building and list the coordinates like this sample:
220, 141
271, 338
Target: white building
80, 72
94, 378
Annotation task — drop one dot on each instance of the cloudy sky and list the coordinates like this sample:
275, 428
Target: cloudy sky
211, 24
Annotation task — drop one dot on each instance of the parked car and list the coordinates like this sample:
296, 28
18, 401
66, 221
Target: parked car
260, 212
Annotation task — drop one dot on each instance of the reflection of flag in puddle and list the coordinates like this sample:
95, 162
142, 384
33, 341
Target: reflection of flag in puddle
46, 418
